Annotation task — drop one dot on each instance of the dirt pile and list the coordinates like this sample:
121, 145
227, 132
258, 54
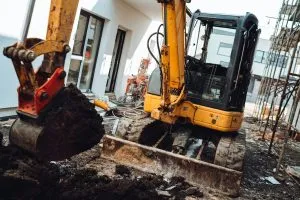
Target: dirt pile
23, 177
259, 164
70, 125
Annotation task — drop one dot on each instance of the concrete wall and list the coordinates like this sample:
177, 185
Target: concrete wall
11, 24
262, 45
251, 97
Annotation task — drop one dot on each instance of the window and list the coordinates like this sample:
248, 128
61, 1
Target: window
278, 60
197, 40
225, 49
197, 43
260, 56
80, 35
219, 31
85, 50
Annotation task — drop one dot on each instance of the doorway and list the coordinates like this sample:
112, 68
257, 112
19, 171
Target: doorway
85, 51
115, 62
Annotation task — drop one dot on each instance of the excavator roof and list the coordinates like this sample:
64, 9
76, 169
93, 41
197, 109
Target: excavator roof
223, 20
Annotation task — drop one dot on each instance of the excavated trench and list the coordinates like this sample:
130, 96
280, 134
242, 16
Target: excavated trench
24, 177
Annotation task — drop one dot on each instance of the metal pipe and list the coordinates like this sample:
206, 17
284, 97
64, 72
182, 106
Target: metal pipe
266, 84
273, 73
27, 20
291, 119
285, 84
268, 87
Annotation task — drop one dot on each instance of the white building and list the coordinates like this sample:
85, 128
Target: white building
108, 39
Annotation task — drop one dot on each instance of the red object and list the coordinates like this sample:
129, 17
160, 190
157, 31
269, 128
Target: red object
42, 95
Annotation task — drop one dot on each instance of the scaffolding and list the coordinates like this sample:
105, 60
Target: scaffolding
277, 103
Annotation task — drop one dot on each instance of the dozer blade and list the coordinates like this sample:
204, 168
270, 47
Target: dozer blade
153, 160
69, 126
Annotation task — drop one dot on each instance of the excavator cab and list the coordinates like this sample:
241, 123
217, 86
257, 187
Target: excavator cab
219, 58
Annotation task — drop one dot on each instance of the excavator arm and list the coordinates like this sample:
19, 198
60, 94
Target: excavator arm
172, 58
38, 88
55, 122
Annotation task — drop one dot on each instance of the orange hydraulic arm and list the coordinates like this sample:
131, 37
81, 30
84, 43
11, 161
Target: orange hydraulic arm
172, 59
173, 52
38, 88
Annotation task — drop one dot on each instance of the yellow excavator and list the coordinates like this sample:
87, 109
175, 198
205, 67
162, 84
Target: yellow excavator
197, 97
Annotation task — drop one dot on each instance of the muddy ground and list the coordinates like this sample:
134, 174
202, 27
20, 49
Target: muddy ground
87, 176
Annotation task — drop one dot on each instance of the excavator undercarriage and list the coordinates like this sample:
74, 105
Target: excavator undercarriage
215, 162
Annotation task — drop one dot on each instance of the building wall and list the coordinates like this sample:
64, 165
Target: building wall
116, 14
10, 32
258, 67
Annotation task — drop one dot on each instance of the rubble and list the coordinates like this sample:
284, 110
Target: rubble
272, 180
24, 177
122, 170
294, 171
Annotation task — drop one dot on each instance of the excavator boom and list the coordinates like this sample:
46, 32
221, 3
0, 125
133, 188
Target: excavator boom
44, 101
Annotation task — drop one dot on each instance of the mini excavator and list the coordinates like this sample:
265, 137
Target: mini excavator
55, 122
196, 97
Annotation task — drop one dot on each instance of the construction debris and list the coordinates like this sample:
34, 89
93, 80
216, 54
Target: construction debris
87, 176
294, 171
272, 180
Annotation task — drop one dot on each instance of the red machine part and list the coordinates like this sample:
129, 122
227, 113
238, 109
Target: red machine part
137, 84
42, 96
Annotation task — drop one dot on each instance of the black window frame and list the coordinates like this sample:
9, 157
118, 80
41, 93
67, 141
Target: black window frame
86, 14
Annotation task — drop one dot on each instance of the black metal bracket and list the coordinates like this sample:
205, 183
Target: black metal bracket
164, 1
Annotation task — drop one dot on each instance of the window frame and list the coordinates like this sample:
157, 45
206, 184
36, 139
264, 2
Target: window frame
86, 14
81, 57
262, 57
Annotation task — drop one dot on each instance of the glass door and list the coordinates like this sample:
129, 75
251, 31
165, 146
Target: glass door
85, 50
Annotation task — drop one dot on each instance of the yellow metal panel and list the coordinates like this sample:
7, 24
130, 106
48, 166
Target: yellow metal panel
151, 102
175, 37
61, 19
215, 119
180, 10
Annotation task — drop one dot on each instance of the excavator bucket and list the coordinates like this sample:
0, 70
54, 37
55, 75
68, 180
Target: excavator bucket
168, 164
68, 126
